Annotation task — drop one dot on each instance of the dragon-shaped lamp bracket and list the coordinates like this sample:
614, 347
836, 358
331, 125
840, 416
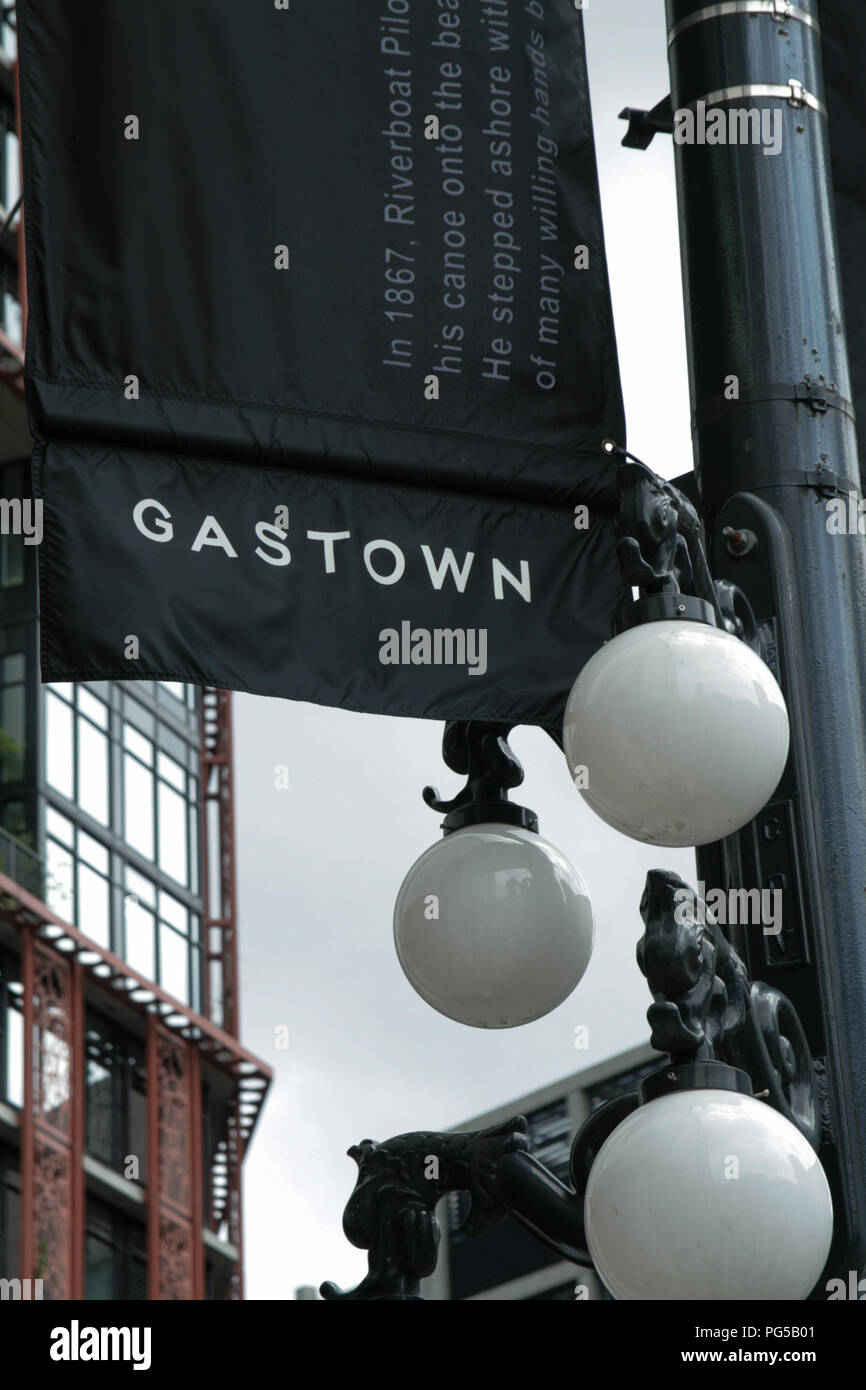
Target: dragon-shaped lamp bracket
660, 546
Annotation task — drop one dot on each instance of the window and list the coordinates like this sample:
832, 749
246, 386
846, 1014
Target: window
59, 751
133, 772
9, 38
76, 748
11, 164
116, 1254
92, 779
139, 924
11, 1031
11, 545
12, 717
622, 1084
174, 688
184, 694
160, 804
180, 951
171, 793
116, 1097
162, 938
138, 827
77, 877
10, 1214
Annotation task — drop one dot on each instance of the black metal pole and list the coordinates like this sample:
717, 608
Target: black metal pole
774, 442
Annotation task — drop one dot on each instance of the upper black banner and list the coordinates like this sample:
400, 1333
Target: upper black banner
239, 206
357, 242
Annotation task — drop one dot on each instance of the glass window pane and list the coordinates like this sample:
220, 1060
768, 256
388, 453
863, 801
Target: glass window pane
14, 1057
12, 733
12, 320
195, 974
172, 833
136, 713
174, 745
138, 744
99, 1098
175, 687
58, 826
141, 887
93, 771
59, 881
13, 667
58, 745
171, 771
63, 688
12, 163
11, 561
139, 925
10, 1214
174, 912
115, 1094
138, 806
173, 964
138, 1123
93, 708
92, 851
193, 848
93, 918
100, 1279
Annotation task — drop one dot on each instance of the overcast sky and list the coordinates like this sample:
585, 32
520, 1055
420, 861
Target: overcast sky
319, 864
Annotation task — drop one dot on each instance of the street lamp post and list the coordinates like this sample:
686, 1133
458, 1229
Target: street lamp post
774, 442
751, 1019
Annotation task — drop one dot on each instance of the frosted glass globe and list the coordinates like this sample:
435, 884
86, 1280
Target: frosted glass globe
708, 1195
682, 732
493, 926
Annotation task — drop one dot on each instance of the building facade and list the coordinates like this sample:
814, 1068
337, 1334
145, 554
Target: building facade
126, 1100
506, 1263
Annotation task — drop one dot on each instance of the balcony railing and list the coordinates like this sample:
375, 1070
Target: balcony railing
22, 865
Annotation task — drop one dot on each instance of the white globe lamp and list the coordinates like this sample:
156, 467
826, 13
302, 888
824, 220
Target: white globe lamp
676, 732
708, 1194
493, 926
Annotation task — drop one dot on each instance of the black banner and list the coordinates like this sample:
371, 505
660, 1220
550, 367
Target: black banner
320, 268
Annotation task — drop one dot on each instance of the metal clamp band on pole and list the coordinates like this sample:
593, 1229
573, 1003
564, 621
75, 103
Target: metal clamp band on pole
777, 9
792, 92
818, 397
